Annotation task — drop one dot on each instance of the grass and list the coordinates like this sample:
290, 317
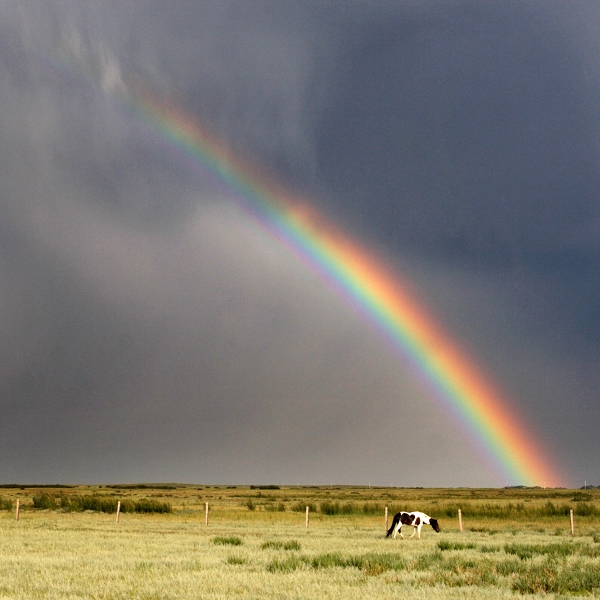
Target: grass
280, 545
98, 503
228, 541
506, 552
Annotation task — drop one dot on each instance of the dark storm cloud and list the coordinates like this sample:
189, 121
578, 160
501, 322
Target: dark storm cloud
153, 331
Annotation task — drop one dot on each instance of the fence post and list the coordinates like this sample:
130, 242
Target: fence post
17, 514
206, 514
386, 519
307, 509
460, 525
118, 510
572, 523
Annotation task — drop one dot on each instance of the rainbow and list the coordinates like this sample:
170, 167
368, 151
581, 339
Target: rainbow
364, 278
378, 290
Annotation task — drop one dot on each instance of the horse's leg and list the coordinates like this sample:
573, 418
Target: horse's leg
398, 530
415, 531
419, 531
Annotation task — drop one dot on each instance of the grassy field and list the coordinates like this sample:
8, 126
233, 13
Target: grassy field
516, 543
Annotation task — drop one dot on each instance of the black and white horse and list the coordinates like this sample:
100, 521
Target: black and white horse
416, 519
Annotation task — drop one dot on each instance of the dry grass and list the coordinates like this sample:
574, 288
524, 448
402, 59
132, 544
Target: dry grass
265, 553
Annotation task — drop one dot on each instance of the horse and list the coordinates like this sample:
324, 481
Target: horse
416, 519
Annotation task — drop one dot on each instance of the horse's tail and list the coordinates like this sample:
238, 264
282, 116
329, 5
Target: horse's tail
394, 523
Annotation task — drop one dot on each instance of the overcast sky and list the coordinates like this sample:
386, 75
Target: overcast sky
152, 331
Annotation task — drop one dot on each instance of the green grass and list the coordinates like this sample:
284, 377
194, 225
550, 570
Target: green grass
279, 545
446, 545
228, 541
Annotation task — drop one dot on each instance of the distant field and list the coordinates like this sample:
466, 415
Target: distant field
515, 543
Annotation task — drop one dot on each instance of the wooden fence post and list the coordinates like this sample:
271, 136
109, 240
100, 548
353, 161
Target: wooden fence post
460, 525
17, 514
307, 509
572, 523
386, 519
206, 514
118, 511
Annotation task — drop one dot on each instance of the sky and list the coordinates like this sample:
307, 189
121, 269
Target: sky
154, 330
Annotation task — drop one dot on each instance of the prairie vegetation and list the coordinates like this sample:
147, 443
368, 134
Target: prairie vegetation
516, 543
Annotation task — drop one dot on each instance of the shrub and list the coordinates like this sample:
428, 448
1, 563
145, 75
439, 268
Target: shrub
372, 509
147, 505
301, 507
5, 504
99, 503
582, 497
335, 508
587, 510
44, 502
519, 509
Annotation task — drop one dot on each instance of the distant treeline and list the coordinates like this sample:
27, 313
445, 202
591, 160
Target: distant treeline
23, 486
99, 504
141, 486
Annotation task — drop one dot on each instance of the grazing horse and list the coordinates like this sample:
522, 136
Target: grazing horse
416, 519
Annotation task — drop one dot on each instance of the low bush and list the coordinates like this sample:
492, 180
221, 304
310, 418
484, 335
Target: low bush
45, 502
352, 508
99, 503
582, 497
301, 507
517, 510
372, 508
5, 504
